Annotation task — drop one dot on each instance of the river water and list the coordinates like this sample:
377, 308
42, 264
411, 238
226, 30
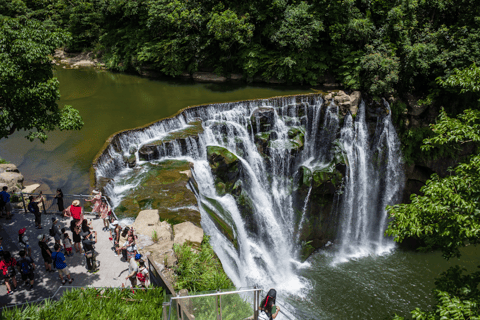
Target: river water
372, 287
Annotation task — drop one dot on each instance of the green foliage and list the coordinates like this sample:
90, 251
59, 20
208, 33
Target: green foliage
199, 269
467, 79
457, 297
92, 303
28, 90
3, 161
447, 215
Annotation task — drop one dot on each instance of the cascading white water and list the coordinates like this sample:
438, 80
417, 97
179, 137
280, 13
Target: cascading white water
374, 180
265, 257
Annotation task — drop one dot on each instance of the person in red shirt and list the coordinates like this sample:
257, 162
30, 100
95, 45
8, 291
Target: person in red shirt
77, 211
7, 265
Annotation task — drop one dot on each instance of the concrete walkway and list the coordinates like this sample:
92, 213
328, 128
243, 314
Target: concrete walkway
112, 270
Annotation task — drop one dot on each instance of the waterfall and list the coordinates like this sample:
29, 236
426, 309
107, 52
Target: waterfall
267, 253
374, 180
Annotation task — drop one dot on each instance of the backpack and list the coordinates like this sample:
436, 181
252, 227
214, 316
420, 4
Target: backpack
10, 269
26, 266
51, 232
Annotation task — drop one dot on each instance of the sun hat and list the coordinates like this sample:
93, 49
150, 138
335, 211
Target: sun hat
76, 203
22, 231
40, 237
138, 256
54, 220
114, 223
95, 191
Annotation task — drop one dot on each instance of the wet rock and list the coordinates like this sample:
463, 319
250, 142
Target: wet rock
31, 188
220, 217
347, 103
130, 160
226, 168
187, 231
414, 109
263, 119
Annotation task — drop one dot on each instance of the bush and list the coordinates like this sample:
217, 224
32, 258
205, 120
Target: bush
199, 269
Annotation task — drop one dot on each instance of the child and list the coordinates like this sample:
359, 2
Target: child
142, 273
67, 243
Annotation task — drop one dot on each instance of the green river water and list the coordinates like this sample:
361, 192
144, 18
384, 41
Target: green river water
368, 288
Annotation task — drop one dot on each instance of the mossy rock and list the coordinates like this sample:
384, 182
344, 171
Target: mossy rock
220, 217
263, 119
163, 187
226, 168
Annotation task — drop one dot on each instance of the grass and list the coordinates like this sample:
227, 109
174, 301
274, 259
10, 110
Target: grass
155, 236
199, 269
92, 303
3, 161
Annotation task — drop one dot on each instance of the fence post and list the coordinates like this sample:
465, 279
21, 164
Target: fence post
255, 304
165, 304
24, 205
43, 205
220, 303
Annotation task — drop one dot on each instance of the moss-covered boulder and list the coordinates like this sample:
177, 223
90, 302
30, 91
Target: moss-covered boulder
226, 167
221, 218
165, 187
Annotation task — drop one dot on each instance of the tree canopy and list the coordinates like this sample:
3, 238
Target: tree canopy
28, 90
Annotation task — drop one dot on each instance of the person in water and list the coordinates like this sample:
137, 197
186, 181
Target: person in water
267, 305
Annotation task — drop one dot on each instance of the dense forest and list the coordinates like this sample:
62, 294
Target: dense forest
381, 47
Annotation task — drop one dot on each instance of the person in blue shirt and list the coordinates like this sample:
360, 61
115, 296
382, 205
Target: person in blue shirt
7, 206
61, 264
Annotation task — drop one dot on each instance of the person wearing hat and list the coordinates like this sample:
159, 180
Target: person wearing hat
33, 208
76, 211
57, 234
23, 241
46, 252
97, 201
133, 269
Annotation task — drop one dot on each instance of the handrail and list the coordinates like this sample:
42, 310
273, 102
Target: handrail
214, 294
52, 195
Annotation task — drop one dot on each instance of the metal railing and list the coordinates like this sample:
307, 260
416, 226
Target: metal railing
48, 204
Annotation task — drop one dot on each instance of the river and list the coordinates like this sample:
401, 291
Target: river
372, 287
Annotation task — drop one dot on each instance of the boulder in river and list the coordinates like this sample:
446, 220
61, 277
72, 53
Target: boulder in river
11, 177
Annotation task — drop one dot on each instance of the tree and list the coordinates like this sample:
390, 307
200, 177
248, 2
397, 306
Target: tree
28, 90
447, 215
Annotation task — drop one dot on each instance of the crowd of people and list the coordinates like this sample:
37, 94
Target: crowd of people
78, 238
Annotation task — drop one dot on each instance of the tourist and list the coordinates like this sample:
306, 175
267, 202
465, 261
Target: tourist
59, 197
26, 267
132, 270
46, 252
97, 201
142, 273
23, 242
115, 230
130, 248
33, 208
86, 226
5, 204
77, 239
270, 310
89, 240
55, 231
40, 200
67, 243
7, 265
61, 264
1, 248
67, 213
104, 212
76, 211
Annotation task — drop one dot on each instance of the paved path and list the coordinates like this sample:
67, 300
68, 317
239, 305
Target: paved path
112, 270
